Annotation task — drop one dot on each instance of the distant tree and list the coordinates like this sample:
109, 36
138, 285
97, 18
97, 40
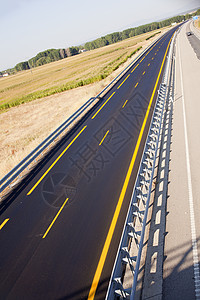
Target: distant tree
63, 53
43, 60
154, 26
197, 12
187, 16
74, 51
22, 66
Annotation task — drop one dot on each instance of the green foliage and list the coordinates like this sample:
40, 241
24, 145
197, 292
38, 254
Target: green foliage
22, 66
197, 13
74, 51
152, 35
45, 57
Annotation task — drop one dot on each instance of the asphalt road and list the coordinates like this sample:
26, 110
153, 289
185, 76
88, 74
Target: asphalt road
194, 41
60, 232
181, 278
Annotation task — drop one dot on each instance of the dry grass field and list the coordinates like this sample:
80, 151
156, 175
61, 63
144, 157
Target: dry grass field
23, 127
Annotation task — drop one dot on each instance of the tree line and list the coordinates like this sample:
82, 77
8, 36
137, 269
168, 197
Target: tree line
43, 58
51, 55
131, 32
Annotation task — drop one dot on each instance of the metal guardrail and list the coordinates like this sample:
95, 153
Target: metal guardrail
131, 244
31, 157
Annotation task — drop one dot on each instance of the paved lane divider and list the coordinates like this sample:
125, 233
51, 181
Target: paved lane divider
135, 68
58, 213
104, 138
124, 103
136, 84
102, 106
123, 81
4, 223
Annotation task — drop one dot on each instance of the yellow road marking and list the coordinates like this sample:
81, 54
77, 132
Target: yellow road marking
143, 73
142, 59
123, 81
102, 106
134, 68
152, 58
99, 269
104, 138
136, 84
148, 64
55, 218
57, 159
124, 103
4, 223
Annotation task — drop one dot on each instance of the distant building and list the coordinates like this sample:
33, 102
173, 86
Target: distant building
5, 74
83, 50
173, 24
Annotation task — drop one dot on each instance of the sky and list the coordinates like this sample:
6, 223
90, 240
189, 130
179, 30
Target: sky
30, 26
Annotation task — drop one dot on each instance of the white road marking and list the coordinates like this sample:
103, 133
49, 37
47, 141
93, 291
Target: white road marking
190, 194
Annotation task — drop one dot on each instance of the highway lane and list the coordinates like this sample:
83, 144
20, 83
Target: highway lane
53, 244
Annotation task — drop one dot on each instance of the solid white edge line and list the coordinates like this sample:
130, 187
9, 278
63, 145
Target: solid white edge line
190, 192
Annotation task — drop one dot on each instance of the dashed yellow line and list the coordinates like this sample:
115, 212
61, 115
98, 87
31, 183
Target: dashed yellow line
48, 229
148, 64
104, 138
124, 103
123, 81
136, 84
103, 105
57, 159
4, 223
152, 58
143, 73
